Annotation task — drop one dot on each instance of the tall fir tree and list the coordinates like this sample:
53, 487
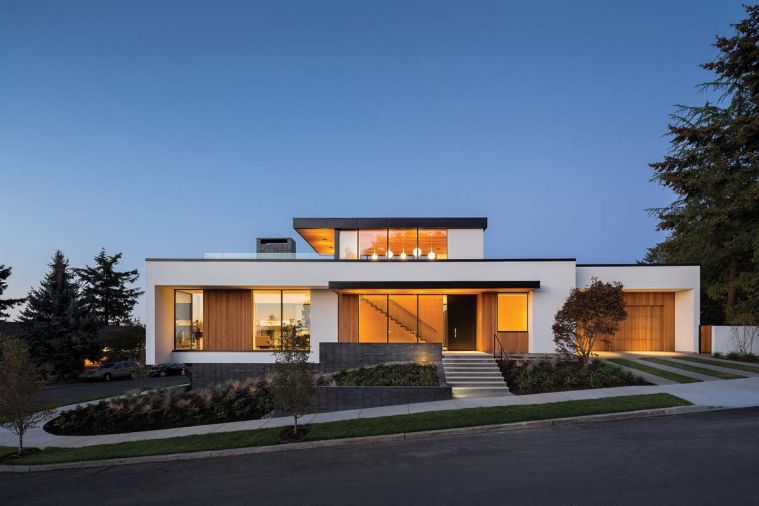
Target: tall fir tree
713, 168
59, 331
6, 304
105, 293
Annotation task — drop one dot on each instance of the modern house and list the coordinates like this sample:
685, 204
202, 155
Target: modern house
420, 282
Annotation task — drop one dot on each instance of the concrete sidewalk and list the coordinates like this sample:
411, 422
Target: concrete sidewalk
721, 393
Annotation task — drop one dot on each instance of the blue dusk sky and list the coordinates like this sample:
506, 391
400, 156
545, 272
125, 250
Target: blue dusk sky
170, 129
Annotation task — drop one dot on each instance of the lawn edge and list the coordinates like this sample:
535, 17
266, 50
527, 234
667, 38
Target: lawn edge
354, 441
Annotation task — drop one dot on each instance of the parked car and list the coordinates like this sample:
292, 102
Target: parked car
169, 370
111, 370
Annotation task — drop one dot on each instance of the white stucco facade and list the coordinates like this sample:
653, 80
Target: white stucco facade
550, 281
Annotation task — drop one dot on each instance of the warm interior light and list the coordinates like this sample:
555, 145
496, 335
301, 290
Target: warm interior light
403, 255
374, 256
389, 254
417, 252
431, 255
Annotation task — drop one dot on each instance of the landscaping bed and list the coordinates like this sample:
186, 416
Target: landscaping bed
233, 401
355, 428
540, 376
738, 357
384, 375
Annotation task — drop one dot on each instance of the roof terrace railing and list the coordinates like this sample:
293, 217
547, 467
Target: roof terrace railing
266, 256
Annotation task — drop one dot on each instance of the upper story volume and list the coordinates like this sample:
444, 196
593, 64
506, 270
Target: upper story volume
395, 239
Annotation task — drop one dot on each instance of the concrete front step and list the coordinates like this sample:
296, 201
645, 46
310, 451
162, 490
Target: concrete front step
479, 384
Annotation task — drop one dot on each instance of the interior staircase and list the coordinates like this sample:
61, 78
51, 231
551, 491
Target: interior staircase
473, 374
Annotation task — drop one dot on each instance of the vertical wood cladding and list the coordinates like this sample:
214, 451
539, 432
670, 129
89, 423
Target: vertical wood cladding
227, 318
649, 326
347, 327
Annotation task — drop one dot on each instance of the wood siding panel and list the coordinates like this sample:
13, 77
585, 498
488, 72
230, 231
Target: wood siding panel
347, 326
649, 326
513, 342
227, 320
705, 339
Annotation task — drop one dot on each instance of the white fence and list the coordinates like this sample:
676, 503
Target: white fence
726, 338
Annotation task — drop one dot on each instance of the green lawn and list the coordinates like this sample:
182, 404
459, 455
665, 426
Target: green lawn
679, 378
719, 363
692, 368
354, 428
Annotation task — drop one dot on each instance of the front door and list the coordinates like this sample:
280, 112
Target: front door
462, 322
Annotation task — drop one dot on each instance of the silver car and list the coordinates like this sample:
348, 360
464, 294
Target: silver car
111, 370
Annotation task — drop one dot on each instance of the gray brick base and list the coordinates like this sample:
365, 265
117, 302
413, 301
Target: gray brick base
340, 398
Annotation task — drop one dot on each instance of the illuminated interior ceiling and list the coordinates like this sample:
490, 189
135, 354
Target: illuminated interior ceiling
321, 239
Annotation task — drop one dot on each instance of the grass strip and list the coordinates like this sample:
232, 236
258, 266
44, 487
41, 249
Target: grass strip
719, 363
679, 378
692, 368
355, 428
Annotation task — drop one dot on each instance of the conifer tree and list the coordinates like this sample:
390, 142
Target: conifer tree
105, 291
713, 168
59, 331
6, 304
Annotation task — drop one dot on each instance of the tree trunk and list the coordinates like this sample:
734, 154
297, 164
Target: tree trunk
20, 443
731, 275
295, 425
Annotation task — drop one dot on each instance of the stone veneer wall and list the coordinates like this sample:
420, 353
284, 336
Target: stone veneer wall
335, 357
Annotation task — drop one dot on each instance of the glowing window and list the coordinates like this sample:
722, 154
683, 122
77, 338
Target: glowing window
512, 312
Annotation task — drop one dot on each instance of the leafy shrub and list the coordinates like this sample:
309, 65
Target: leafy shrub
741, 357
384, 375
557, 375
232, 401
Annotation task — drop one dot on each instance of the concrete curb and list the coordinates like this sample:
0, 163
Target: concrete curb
334, 443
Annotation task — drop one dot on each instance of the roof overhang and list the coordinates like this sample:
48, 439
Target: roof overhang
351, 223
437, 285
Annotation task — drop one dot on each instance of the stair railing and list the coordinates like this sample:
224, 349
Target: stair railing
499, 352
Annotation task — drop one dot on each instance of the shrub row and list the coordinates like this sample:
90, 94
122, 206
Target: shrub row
557, 375
737, 356
232, 401
384, 375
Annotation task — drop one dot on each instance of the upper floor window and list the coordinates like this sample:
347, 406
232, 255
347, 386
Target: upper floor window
396, 244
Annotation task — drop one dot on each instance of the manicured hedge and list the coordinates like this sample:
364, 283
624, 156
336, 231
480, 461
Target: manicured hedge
232, 401
557, 375
385, 375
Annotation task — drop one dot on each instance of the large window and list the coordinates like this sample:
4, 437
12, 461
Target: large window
271, 310
512, 312
275, 309
397, 244
188, 319
401, 318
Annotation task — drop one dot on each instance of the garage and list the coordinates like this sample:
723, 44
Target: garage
650, 323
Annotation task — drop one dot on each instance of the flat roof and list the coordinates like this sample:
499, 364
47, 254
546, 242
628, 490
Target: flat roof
429, 222
373, 285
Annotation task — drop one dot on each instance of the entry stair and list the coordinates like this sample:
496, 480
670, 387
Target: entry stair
473, 374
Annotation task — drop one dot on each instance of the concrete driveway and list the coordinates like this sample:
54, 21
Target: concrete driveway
69, 393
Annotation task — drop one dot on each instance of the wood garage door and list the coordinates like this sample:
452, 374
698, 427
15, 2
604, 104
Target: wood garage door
650, 323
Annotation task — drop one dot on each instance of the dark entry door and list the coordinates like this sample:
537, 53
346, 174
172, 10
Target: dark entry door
462, 322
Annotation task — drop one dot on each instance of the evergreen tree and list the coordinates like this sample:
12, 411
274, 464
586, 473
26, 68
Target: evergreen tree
59, 331
6, 304
105, 293
713, 168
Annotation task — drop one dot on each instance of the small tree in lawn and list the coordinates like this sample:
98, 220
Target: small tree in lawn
19, 389
293, 383
587, 317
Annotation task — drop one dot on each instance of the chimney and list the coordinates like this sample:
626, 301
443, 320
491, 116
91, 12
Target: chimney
275, 245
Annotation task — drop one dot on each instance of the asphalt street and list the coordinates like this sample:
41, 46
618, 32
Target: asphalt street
707, 458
